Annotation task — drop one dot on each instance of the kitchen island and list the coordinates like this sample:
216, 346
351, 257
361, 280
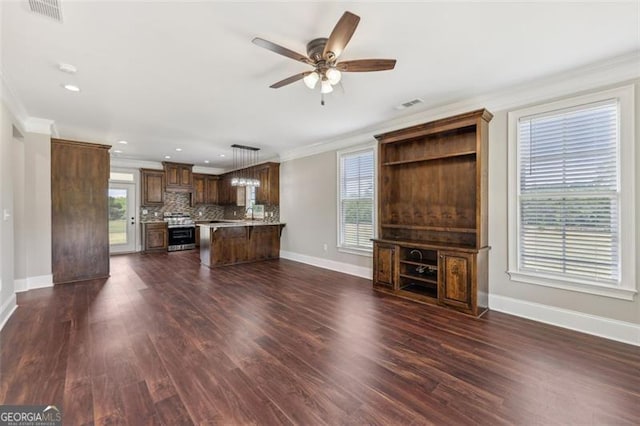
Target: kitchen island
231, 242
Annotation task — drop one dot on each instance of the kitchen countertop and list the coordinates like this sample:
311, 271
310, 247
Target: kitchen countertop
232, 223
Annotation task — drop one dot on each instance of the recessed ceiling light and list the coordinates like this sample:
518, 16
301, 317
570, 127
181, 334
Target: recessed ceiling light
178, 149
206, 161
68, 68
117, 151
71, 87
167, 156
222, 155
123, 142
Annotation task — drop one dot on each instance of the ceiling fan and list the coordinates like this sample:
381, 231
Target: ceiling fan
323, 56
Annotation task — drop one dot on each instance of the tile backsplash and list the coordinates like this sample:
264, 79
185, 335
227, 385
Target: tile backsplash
179, 202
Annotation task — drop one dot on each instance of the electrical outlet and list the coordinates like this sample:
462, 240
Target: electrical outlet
155, 214
145, 211
325, 247
199, 213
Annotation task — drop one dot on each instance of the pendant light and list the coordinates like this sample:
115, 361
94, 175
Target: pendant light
244, 160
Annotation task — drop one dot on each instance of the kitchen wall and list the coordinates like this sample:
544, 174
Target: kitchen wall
179, 202
308, 205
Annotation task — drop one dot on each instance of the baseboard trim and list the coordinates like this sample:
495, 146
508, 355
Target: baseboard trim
347, 268
32, 283
7, 309
620, 331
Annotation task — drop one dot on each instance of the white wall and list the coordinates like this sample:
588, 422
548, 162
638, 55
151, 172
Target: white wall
308, 204
7, 290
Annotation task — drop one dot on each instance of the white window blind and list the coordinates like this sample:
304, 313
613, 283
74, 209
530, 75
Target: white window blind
356, 202
569, 193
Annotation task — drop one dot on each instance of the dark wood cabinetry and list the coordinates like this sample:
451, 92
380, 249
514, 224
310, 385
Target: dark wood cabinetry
152, 187
432, 196
154, 236
79, 211
179, 177
239, 244
205, 189
268, 192
383, 274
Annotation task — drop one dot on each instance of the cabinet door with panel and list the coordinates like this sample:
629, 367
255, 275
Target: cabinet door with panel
384, 269
178, 176
269, 190
455, 284
211, 189
199, 183
152, 187
155, 236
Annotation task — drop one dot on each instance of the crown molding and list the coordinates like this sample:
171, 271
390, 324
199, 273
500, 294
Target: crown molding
596, 75
39, 125
128, 163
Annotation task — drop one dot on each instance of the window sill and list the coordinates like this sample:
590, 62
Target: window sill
577, 286
358, 252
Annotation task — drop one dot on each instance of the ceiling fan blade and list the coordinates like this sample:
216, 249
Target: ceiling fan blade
340, 36
281, 50
364, 65
290, 80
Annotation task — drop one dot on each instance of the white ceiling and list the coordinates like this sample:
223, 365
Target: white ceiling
166, 75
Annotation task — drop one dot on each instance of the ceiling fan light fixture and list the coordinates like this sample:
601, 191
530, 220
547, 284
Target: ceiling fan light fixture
333, 75
326, 87
311, 80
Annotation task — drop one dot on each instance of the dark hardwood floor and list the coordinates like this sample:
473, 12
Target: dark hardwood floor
165, 341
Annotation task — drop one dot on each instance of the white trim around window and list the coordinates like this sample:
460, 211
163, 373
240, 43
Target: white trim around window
624, 286
344, 246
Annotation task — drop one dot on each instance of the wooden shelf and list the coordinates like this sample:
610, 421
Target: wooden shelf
430, 158
412, 262
418, 278
431, 228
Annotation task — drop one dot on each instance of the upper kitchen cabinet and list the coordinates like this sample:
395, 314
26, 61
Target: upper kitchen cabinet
269, 190
152, 187
205, 189
79, 211
178, 177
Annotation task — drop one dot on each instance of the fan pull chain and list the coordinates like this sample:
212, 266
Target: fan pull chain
322, 99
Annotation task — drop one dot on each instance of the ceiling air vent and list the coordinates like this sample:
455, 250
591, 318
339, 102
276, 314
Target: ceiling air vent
48, 8
410, 103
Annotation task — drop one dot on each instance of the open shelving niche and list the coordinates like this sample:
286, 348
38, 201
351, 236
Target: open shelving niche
432, 200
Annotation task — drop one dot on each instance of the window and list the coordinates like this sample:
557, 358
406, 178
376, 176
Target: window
571, 214
356, 189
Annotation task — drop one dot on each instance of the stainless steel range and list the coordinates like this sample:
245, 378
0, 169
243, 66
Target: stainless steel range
182, 231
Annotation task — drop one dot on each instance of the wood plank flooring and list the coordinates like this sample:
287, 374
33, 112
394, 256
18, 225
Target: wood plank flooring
166, 341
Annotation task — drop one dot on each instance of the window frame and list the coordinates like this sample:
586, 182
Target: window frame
373, 147
627, 286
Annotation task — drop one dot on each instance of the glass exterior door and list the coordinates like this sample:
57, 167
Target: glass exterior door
122, 217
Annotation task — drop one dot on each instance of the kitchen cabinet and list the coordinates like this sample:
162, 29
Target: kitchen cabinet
230, 195
268, 193
154, 236
79, 211
228, 245
152, 187
178, 176
205, 189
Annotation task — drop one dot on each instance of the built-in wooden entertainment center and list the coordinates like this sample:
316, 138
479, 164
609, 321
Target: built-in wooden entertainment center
432, 213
